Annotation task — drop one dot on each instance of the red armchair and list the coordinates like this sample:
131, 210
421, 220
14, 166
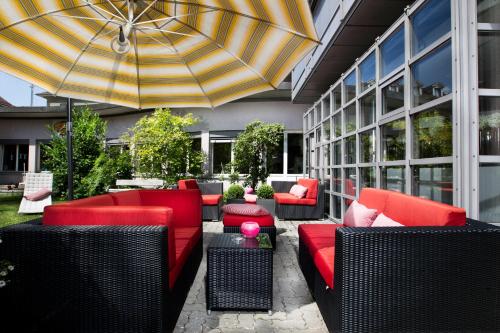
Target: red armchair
211, 195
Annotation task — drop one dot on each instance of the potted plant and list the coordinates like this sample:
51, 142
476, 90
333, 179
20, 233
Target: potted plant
234, 194
265, 198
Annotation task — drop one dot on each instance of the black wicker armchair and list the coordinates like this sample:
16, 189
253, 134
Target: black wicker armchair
92, 279
298, 212
411, 279
211, 212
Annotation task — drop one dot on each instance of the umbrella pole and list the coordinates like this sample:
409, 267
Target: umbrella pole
69, 137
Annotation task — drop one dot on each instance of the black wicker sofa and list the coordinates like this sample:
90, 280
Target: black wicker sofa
421, 278
289, 208
73, 274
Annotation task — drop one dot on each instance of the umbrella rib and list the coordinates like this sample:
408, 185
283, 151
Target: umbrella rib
247, 16
79, 56
136, 49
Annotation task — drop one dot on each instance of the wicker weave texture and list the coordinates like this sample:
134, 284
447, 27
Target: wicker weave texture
271, 231
238, 277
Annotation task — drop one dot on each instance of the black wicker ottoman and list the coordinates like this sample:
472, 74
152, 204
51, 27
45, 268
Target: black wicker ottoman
239, 273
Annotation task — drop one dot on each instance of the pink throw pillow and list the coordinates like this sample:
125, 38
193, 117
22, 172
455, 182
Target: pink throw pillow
384, 221
248, 190
252, 198
299, 191
358, 215
245, 209
38, 195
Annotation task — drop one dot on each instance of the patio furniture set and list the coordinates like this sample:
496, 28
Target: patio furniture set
124, 262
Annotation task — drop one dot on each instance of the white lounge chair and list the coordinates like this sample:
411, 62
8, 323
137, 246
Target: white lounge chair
35, 182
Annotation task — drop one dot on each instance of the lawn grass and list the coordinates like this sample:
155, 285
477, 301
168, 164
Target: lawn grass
9, 204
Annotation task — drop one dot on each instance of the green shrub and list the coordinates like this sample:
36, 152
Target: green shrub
234, 177
235, 191
265, 191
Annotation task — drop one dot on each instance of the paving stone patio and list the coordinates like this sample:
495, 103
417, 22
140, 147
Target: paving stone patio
294, 310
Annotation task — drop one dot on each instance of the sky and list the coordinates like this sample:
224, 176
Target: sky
18, 92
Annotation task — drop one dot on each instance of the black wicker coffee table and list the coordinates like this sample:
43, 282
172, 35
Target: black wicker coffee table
239, 273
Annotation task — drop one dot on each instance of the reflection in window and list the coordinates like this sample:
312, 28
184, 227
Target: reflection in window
489, 125
350, 86
9, 158
392, 52
337, 124
488, 11
432, 76
430, 22
326, 106
393, 141
367, 146
337, 153
367, 177
326, 155
318, 135
393, 96
337, 180
432, 132
350, 118
327, 201
367, 110
317, 109
326, 130
350, 183
367, 72
350, 150
489, 68
22, 158
393, 178
337, 204
434, 182
221, 157
337, 97
276, 159
489, 193
294, 153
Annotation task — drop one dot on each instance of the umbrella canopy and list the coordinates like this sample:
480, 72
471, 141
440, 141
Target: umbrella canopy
153, 53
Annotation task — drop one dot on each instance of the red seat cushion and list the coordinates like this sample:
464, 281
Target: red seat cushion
182, 251
230, 220
211, 199
318, 236
312, 187
324, 259
188, 184
191, 233
290, 199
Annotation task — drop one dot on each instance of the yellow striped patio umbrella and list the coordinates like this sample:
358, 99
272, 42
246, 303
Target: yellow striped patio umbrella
154, 53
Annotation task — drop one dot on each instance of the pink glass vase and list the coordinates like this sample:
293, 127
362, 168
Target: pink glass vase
249, 229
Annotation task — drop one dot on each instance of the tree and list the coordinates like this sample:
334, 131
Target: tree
94, 167
161, 147
253, 149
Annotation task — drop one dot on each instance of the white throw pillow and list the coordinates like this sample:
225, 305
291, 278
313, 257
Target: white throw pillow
299, 191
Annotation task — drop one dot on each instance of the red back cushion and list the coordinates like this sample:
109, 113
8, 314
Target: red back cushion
188, 184
373, 198
312, 187
98, 200
127, 198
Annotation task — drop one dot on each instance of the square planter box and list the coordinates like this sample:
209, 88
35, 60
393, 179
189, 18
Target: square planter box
267, 204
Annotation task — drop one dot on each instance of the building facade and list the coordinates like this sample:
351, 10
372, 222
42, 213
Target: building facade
415, 112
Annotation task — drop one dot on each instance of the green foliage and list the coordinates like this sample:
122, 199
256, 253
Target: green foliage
235, 191
265, 191
252, 149
234, 177
433, 134
93, 168
162, 148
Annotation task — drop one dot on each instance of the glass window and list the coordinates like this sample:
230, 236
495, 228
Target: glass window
432, 75
327, 202
392, 52
393, 178
337, 207
350, 118
295, 153
326, 155
337, 153
22, 164
337, 124
432, 132
430, 22
434, 182
489, 125
337, 97
393, 141
350, 182
318, 135
367, 146
326, 106
350, 149
489, 67
221, 157
326, 130
9, 158
276, 159
489, 193
367, 110
367, 177
488, 11
337, 180
393, 96
350, 86
367, 72
196, 144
